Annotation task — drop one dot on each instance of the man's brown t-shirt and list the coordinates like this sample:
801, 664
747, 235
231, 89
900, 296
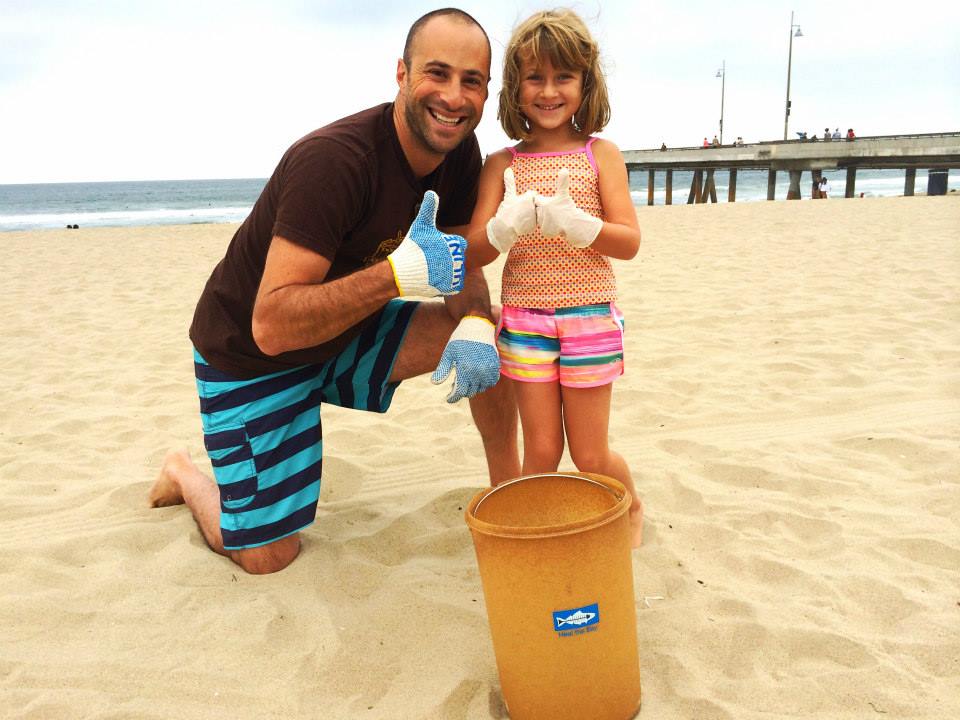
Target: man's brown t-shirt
345, 191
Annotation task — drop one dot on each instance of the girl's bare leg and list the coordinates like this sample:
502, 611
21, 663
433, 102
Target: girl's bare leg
541, 419
586, 416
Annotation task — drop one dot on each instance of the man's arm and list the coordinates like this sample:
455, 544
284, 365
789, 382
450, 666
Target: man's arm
475, 297
296, 309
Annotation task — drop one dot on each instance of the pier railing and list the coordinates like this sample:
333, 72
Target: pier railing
931, 151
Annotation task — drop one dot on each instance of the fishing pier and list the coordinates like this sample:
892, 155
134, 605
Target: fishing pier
934, 152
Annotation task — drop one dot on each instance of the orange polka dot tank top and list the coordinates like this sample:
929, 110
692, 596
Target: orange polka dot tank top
542, 272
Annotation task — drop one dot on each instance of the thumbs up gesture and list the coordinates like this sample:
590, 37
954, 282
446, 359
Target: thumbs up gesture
559, 215
428, 262
516, 215
471, 353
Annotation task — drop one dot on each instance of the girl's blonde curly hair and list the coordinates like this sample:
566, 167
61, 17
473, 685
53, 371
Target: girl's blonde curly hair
563, 38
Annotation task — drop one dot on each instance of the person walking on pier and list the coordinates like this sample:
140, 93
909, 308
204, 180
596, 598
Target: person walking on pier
559, 204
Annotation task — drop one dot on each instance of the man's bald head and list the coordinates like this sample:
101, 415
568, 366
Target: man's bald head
453, 13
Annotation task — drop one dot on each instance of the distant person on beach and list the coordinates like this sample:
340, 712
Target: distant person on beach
306, 308
558, 203
824, 188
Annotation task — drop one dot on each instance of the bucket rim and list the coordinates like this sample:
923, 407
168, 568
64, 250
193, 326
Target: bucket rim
614, 487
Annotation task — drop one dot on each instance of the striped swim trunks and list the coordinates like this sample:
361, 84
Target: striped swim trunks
263, 435
579, 346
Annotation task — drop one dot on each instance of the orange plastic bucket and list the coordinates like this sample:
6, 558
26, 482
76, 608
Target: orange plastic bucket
555, 562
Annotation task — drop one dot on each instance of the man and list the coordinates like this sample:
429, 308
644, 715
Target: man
304, 307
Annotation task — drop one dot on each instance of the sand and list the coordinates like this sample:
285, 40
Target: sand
791, 410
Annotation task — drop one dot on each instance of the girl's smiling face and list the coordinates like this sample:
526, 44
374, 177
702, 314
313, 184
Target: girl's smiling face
549, 96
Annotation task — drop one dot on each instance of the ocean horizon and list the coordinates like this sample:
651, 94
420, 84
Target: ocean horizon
40, 206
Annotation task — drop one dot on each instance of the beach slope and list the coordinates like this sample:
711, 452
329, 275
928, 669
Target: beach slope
791, 411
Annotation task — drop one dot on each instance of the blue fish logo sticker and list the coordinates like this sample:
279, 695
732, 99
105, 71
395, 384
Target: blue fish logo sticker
580, 617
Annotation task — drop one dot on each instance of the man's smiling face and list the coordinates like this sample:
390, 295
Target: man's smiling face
443, 90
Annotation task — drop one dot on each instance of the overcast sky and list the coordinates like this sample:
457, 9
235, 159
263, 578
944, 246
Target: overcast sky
127, 90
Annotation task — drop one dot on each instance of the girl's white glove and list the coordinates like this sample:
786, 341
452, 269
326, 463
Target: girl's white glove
516, 215
559, 215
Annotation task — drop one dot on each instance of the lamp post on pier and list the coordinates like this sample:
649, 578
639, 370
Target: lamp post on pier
786, 114
722, 74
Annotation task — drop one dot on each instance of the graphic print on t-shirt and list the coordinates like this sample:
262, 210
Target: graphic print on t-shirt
383, 249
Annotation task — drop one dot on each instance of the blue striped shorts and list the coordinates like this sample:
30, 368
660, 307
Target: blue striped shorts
263, 435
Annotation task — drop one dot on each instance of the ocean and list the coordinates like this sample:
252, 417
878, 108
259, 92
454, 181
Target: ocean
101, 204
174, 202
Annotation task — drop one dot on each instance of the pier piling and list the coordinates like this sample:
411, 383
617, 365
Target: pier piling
851, 187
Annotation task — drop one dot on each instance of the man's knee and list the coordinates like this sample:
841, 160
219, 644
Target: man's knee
424, 341
269, 558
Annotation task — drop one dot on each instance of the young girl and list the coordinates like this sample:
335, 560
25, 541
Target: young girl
558, 202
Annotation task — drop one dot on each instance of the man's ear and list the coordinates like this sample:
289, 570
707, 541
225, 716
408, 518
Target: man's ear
401, 72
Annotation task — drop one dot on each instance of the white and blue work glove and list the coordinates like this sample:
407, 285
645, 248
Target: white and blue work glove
472, 352
428, 262
517, 215
559, 215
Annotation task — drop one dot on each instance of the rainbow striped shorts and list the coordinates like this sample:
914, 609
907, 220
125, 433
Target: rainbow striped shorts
577, 346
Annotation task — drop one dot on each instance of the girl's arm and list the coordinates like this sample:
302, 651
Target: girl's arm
489, 195
620, 236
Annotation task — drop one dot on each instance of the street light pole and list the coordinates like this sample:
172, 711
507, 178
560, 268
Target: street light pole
722, 73
786, 114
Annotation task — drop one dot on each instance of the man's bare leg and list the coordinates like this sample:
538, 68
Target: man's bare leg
180, 481
495, 415
494, 411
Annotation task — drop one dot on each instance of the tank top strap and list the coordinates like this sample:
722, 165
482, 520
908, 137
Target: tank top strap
589, 150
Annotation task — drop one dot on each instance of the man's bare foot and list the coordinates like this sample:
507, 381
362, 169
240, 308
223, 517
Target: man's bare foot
636, 523
166, 490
